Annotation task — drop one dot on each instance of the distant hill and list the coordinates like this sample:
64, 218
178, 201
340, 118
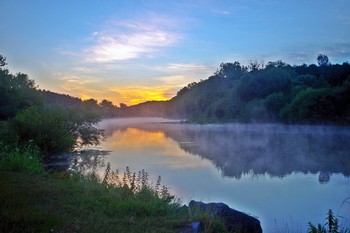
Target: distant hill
52, 98
105, 108
146, 109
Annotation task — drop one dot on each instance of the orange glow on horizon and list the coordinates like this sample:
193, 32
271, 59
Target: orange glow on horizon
127, 96
137, 96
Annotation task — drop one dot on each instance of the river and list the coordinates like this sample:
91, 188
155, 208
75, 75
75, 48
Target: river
285, 175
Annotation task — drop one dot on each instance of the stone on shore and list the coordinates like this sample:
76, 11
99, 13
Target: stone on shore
234, 221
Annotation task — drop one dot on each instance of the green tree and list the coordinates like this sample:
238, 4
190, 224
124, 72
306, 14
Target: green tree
17, 93
231, 70
319, 106
275, 102
322, 60
2, 61
55, 129
259, 84
108, 109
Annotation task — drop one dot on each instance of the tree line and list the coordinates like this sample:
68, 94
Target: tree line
276, 92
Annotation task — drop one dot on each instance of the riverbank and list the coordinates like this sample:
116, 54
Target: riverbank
65, 203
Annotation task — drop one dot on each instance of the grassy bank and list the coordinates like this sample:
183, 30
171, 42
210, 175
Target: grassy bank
61, 203
33, 200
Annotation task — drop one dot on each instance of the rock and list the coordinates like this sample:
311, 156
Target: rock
234, 221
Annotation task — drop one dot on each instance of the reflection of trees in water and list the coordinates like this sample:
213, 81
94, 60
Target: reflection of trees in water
84, 161
276, 150
324, 177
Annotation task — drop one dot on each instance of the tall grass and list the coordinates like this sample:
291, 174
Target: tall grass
27, 159
331, 225
134, 184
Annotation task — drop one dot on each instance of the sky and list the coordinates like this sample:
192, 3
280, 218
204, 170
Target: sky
131, 51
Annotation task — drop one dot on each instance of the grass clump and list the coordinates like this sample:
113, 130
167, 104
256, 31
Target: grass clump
65, 202
27, 159
208, 223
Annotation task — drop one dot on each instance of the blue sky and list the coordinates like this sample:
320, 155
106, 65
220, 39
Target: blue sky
132, 51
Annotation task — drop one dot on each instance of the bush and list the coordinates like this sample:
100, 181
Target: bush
54, 129
47, 128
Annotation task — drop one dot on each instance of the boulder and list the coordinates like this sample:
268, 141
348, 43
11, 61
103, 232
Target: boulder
234, 221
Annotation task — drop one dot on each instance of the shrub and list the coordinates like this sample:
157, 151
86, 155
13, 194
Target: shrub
47, 128
54, 129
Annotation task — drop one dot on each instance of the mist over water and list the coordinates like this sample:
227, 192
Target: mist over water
286, 175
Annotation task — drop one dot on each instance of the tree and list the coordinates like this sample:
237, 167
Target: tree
122, 105
276, 64
259, 84
322, 60
231, 70
106, 104
17, 92
254, 66
107, 108
2, 61
319, 105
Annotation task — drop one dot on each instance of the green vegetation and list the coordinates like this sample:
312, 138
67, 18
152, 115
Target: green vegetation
26, 160
53, 129
331, 226
17, 92
276, 92
114, 203
36, 123
50, 128
71, 203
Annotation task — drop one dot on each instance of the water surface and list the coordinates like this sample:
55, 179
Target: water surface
284, 175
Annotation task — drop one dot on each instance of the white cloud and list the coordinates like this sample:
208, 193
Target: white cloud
131, 39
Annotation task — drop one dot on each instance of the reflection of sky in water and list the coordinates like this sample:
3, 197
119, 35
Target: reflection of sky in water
280, 203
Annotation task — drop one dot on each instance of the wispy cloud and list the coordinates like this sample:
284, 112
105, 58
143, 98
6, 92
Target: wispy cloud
187, 67
129, 39
173, 80
221, 12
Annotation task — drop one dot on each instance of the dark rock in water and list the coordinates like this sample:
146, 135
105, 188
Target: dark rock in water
234, 221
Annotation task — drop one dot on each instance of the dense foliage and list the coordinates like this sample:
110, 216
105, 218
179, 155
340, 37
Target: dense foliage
273, 93
17, 92
55, 130
28, 118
